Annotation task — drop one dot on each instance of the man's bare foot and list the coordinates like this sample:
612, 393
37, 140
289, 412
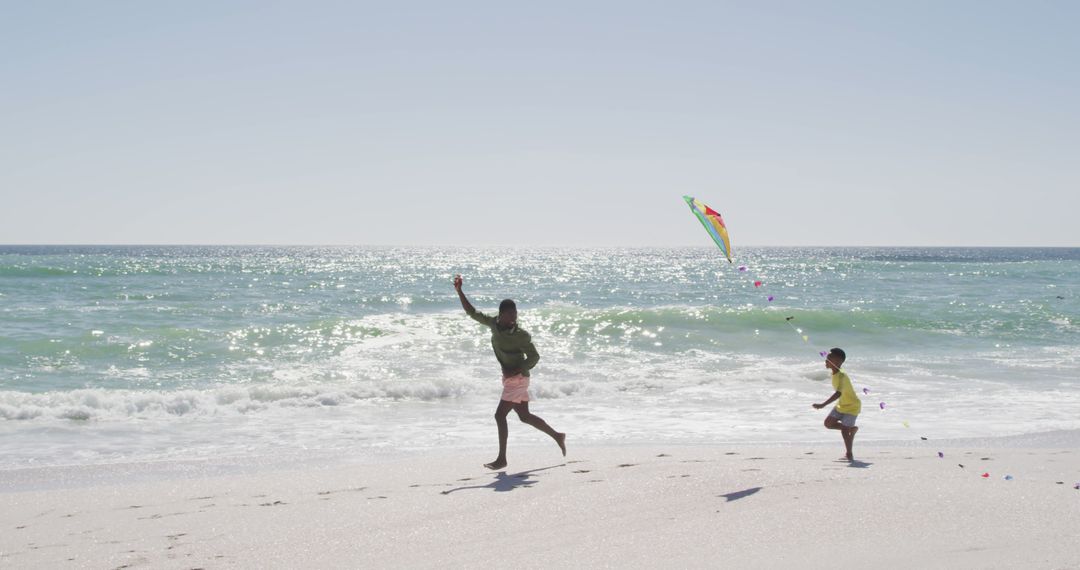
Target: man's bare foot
496, 465
849, 457
561, 440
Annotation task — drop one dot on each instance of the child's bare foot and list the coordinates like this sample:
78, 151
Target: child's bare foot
561, 440
496, 465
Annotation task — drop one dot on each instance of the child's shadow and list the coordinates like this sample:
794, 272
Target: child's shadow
504, 482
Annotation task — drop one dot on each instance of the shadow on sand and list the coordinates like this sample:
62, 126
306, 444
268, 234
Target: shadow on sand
740, 494
504, 482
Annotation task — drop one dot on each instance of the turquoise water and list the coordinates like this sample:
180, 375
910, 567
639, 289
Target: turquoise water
135, 353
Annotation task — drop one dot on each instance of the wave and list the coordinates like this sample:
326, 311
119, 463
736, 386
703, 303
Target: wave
562, 318
35, 271
105, 404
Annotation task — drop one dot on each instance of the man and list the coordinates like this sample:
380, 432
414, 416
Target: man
516, 355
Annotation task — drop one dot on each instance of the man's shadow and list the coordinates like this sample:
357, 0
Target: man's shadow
859, 464
504, 482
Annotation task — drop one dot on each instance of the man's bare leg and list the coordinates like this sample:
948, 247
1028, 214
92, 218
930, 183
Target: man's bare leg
504, 431
537, 422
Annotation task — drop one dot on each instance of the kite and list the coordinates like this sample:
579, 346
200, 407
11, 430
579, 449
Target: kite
713, 223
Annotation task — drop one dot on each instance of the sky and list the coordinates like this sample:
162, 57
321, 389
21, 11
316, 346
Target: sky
905, 123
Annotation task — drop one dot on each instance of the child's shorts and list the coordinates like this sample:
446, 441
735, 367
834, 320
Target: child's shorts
846, 420
516, 389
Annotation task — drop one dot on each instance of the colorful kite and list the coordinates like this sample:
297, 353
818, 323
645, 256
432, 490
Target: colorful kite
714, 224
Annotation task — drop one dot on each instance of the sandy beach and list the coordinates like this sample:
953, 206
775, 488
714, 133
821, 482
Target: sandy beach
604, 506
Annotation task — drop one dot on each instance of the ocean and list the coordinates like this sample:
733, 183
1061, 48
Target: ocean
122, 354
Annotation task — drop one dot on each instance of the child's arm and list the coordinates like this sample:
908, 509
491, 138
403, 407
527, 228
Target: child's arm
831, 399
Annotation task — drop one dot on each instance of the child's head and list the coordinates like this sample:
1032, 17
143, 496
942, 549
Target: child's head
835, 360
507, 313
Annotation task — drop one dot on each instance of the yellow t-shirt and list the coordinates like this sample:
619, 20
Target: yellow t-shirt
849, 403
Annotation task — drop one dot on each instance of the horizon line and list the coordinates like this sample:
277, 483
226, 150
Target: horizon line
520, 246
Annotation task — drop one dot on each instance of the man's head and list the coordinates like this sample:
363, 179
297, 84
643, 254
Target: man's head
507, 313
835, 360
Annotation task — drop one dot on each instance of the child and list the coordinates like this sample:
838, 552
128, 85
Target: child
842, 417
517, 355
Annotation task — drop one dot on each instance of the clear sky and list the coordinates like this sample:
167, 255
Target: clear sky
539, 123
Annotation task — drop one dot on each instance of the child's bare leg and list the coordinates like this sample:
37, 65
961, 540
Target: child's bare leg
849, 440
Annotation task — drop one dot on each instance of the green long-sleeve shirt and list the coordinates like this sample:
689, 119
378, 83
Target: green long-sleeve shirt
513, 346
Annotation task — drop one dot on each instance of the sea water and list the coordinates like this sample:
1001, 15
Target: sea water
134, 354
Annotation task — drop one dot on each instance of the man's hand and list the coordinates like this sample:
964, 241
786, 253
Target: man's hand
465, 304
818, 406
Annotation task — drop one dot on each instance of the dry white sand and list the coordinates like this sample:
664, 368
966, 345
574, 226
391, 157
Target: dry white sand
635, 506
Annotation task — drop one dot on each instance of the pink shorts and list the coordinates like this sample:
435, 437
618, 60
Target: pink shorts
516, 389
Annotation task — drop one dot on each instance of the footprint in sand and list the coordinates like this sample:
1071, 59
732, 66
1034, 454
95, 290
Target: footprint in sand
731, 453
582, 471
663, 455
274, 504
352, 490
628, 465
